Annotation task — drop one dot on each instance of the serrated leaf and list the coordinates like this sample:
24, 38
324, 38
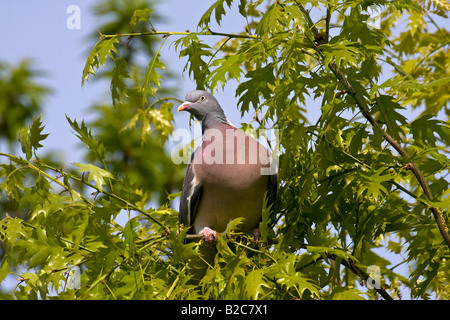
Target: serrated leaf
12, 184
270, 21
425, 128
106, 49
23, 136
30, 277
140, 15
129, 232
36, 135
233, 225
30, 138
242, 7
4, 269
219, 11
181, 251
95, 173
162, 120
13, 229
118, 86
344, 53
84, 134
384, 111
288, 276
345, 293
40, 249
297, 17
195, 50
254, 284
259, 83
99, 55
372, 183
152, 77
228, 68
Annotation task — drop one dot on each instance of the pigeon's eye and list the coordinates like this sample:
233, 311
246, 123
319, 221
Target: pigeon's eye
202, 98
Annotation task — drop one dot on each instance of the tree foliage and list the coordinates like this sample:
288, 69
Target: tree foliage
363, 181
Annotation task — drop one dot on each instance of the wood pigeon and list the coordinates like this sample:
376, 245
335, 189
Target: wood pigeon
228, 174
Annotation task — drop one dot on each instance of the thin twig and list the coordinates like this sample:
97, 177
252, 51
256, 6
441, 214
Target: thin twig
179, 33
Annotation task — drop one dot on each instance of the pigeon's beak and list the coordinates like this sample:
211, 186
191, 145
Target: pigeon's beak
184, 106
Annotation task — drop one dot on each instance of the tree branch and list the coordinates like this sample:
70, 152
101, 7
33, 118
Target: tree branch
437, 213
362, 105
178, 33
360, 273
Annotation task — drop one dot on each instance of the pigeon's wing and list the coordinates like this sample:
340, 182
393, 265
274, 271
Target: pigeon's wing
191, 194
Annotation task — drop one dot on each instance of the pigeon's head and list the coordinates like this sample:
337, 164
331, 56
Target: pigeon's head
202, 105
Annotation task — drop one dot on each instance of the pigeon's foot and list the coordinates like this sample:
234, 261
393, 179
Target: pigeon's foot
256, 235
209, 235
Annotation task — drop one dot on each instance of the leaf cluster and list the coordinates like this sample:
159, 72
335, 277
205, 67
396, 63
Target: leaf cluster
353, 188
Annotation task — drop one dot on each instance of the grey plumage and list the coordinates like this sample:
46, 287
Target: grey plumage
223, 179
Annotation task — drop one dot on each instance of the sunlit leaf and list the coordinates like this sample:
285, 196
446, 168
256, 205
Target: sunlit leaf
118, 86
140, 15
95, 173
99, 56
152, 80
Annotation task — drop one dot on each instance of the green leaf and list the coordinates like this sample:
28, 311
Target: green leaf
241, 8
425, 129
95, 173
129, 232
36, 135
297, 17
372, 183
30, 138
345, 293
39, 250
229, 65
270, 21
152, 77
99, 55
23, 135
259, 84
140, 15
219, 9
384, 111
13, 229
161, 119
254, 284
182, 252
289, 277
84, 134
4, 269
233, 225
106, 49
344, 53
195, 50
118, 86
13, 183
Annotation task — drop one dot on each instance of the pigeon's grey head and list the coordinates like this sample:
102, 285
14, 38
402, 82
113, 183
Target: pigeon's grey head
203, 106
